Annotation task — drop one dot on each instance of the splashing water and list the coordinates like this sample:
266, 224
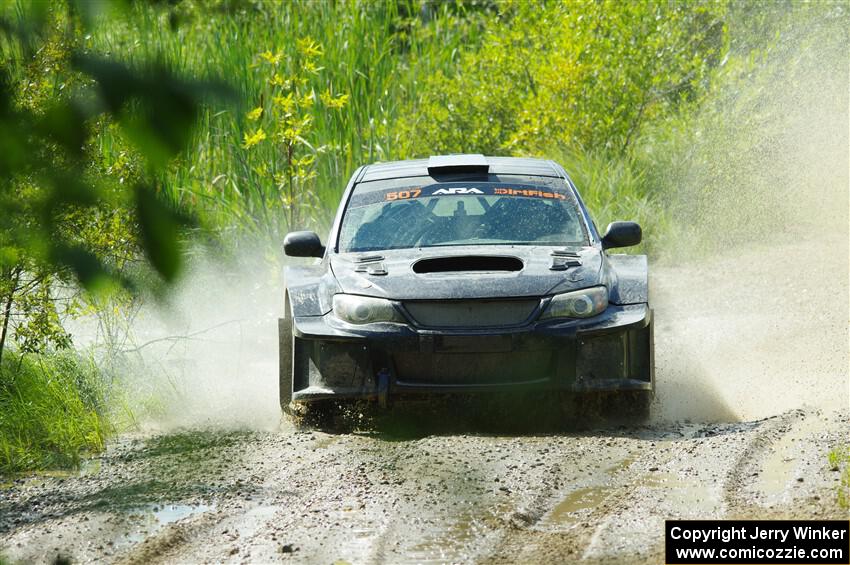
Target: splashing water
207, 357
761, 326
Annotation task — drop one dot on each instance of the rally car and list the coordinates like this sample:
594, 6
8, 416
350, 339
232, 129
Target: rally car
465, 274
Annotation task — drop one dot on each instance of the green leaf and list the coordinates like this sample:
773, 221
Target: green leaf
86, 266
160, 229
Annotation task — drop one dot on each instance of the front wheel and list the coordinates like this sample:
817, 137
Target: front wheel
284, 330
631, 406
329, 416
624, 407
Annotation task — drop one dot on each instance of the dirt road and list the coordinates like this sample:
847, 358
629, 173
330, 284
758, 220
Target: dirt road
262, 497
753, 394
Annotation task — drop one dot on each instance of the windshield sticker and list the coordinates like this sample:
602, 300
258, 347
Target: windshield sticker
457, 189
403, 194
532, 193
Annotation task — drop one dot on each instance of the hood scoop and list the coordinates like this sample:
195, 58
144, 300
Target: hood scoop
370, 264
564, 259
467, 263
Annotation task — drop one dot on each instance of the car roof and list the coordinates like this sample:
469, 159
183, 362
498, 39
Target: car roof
497, 165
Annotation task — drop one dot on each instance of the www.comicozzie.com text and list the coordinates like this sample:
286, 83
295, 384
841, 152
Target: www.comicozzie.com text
726, 534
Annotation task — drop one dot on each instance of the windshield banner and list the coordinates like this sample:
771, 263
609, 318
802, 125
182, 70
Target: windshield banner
459, 189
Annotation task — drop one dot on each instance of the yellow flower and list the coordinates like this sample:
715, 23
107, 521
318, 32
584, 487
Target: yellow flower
286, 103
254, 138
255, 114
311, 67
338, 102
273, 58
308, 47
278, 80
305, 161
308, 99
331, 102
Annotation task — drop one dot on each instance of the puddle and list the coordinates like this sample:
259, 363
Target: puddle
255, 519
689, 496
581, 501
662, 480
570, 510
150, 519
621, 465
87, 468
672, 491
777, 469
451, 545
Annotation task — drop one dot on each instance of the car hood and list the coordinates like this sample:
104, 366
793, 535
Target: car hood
444, 273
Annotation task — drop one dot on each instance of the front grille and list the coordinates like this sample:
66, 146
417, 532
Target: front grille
473, 368
471, 313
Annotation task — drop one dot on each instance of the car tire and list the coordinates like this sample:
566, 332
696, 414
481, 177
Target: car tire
576, 410
286, 361
631, 407
580, 410
322, 415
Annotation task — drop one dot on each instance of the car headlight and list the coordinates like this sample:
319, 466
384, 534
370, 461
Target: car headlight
364, 309
579, 304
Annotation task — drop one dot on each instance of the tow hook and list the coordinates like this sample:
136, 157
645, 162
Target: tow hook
383, 387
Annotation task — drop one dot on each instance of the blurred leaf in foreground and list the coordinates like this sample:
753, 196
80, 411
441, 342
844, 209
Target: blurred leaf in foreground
64, 214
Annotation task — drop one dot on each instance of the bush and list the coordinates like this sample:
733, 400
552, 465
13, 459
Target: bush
578, 74
52, 411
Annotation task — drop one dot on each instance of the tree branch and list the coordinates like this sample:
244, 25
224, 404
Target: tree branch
185, 336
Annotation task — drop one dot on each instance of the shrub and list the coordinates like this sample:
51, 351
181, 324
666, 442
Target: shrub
52, 411
578, 74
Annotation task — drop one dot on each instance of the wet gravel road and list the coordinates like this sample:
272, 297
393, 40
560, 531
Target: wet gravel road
598, 495
749, 406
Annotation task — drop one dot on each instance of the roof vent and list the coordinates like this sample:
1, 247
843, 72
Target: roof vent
443, 164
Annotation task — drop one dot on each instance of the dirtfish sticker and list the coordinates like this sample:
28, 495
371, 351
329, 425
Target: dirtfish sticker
529, 193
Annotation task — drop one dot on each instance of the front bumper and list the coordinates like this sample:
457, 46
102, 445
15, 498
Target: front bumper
609, 352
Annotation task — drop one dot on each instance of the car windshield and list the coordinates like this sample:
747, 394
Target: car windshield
399, 215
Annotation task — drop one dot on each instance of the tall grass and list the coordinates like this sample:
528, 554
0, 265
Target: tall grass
52, 411
615, 187
374, 52
839, 462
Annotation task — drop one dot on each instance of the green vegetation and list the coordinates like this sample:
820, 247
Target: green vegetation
72, 233
52, 411
116, 151
584, 75
322, 85
839, 461
652, 106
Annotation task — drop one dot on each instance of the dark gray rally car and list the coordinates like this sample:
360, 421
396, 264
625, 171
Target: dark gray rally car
465, 274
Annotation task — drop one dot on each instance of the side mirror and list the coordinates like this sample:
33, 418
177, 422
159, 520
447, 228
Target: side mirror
303, 244
621, 234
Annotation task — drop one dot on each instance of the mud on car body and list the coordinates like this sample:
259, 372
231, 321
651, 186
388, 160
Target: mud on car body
465, 274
